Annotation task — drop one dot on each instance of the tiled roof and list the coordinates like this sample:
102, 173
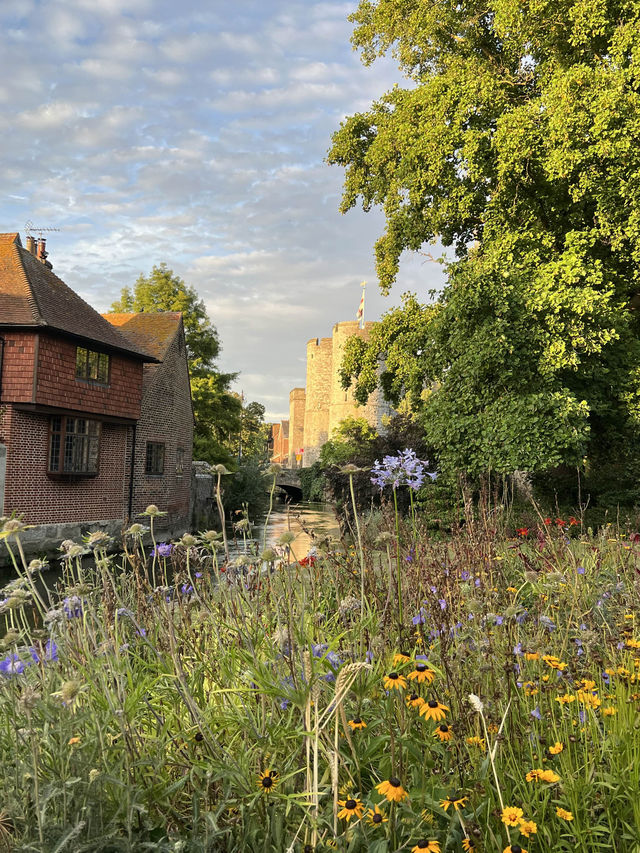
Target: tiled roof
152, 332
32, 295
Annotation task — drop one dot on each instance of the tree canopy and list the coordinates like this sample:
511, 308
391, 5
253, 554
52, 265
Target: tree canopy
220, 418
516, 143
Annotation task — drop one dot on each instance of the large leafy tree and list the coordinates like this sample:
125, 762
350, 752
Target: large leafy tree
218, 411
517, 143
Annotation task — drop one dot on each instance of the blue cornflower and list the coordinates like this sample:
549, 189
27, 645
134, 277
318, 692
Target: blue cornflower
581, 570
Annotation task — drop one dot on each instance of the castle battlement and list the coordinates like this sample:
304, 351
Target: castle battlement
318, 409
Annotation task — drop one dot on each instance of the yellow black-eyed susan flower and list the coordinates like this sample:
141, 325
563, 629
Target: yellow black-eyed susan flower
401, 657
425, 845
455, 801
414, 701
514, 848
422, 673
357, 723
533, 775
433, 710
467, 845
443, 731
527, 828
376, 816
394, 681
268, 780
474, 740
350, 808
511, 815
563, 814
392, 789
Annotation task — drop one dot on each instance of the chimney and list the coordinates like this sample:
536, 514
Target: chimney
31, 244
41, 251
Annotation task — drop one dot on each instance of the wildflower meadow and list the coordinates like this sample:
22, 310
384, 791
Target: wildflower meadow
387, 692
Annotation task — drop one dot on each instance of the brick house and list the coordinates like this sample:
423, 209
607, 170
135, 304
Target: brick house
163, 435
279, 443
71, 397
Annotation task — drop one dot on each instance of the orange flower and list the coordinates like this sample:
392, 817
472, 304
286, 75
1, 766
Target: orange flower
422, 673
392, 789
357, 723
433, 710
563, 813
393, 681
557, 748
443, 731
511, 815
414, 701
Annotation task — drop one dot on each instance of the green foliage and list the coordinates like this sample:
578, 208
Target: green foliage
518, 145
163, 290
312, 482
351, 437
223, 425
248, 487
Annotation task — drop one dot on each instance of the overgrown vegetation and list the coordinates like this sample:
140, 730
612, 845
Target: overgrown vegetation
403, 693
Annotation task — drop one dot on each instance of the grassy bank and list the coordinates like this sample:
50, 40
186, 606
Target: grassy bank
274, 705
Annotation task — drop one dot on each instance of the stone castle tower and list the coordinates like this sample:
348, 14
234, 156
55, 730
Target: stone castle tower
315, 412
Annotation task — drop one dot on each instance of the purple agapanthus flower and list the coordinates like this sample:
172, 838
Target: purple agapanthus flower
162, 549
405, 469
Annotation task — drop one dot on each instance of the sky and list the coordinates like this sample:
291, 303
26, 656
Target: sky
195, 133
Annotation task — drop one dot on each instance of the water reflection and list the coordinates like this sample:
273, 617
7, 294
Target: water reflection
301, 519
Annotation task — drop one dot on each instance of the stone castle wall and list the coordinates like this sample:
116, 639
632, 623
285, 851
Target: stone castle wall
317, 411
297, 401
318, 397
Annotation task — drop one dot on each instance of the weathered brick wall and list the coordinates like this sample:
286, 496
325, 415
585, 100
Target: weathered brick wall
280, 437
18, 366
57, 384
166, 417
296, 424
318, 397
28, 490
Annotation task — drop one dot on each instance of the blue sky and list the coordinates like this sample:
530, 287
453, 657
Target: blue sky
195, 133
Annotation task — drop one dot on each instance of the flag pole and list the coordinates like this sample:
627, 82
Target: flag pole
360, 315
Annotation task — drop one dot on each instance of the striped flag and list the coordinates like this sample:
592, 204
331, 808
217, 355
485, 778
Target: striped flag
360, 314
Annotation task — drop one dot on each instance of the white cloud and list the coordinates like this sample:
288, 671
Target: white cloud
195, 134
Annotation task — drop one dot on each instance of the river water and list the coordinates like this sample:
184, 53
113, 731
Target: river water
308, 521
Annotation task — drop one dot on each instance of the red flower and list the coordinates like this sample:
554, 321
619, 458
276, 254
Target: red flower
522, 531
548, 521
573, 521
560, 522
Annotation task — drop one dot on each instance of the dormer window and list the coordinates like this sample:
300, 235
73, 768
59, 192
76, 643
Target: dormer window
92, 366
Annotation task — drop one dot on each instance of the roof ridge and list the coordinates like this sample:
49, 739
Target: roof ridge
32, 299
